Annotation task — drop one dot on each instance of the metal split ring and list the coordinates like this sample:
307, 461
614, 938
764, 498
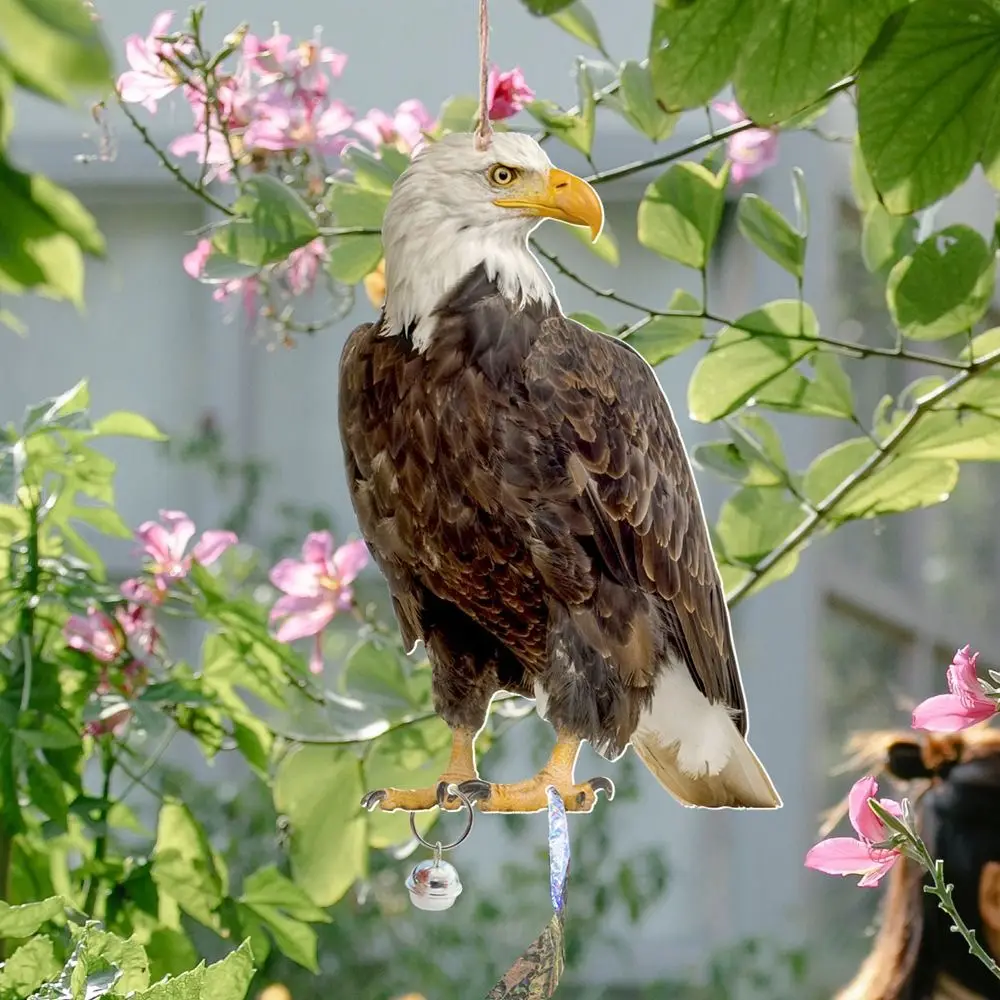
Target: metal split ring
438, 847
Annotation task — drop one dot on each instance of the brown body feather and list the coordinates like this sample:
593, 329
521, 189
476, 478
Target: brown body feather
524, 489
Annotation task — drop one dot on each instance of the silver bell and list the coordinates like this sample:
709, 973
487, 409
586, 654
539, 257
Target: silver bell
434, 885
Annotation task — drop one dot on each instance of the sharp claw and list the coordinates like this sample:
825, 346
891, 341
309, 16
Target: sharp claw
373, 799
475, 790
442, 794
605, 785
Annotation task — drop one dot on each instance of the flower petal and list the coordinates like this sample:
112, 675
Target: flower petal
868, 826
296, 578
349, 560
306, 623
841, 856
155, 540
949, 713
730, 110
212, 544
180, 528
318, 548
881, 869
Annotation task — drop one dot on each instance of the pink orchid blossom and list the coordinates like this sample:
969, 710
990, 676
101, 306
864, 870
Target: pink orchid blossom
751, 151
303, 266
404, 129
850, 856
194, 261
96, 634
113, 722
152, 77
306, 64
281, 129
167, 543
315, 589
507, 93
966, 705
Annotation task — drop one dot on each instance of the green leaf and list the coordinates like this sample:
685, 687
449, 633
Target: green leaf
413, 756
801, 197
680, 213
748, 355
639, 104
47, 255
354, 257
458, 114
374, 674
577, 20
121, 423
47, 791
815, 42
376, 173
865, 195
605, 246
754, 457
754, 521
282, 907
705, 40
827, 394
725, 459
662, 337
546, 8
55, 47
576, 130
764, 226
273, 221
184, 865
226, 980
31, 965
319, 789
28, 918
65, 410
590, 321
886, 238
944, 287
127, 958
965, 437
926, 102
899, 484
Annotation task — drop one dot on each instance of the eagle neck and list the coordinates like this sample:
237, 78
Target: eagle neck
427, 257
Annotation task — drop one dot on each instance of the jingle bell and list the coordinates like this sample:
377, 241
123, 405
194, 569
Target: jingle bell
434, 885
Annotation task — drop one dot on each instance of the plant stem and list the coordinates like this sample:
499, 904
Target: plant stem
882, 454
178, 174
101, 842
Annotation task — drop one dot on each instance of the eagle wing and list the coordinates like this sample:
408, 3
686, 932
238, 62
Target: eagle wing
632, 481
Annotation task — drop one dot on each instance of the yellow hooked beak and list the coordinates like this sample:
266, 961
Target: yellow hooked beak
565, 197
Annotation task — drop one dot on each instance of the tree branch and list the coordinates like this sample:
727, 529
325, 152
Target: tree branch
882, 455
176, 172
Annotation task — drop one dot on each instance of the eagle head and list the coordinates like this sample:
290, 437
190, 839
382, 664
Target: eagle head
457, 207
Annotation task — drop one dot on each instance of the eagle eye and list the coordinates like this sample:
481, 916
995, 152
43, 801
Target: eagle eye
502, 175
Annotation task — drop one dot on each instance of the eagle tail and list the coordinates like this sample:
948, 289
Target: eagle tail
695, 750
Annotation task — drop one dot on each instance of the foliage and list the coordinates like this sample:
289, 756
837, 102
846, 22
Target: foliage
53, 50
91, 694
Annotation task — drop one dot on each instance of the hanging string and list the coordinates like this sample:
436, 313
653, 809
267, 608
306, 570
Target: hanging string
484, 130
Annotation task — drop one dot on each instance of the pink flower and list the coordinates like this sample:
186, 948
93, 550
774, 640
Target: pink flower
847, 856
751, 151
275, 59
282, 128
507, 93
303, 266
152, 77
315, 589
965, 706
96, 634
404, 129
137, 623
166, 545
194, 262
112, 721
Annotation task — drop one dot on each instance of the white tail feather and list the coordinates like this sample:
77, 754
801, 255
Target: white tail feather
695, 750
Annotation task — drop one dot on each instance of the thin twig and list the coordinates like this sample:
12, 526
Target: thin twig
886, 451
165, 161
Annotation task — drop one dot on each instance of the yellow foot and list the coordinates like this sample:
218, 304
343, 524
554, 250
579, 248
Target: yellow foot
417, 799
530, 796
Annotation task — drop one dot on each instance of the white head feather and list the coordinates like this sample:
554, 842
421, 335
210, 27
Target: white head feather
442, 222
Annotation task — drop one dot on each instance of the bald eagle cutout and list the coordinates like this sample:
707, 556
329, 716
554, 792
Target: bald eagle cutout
522, 485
